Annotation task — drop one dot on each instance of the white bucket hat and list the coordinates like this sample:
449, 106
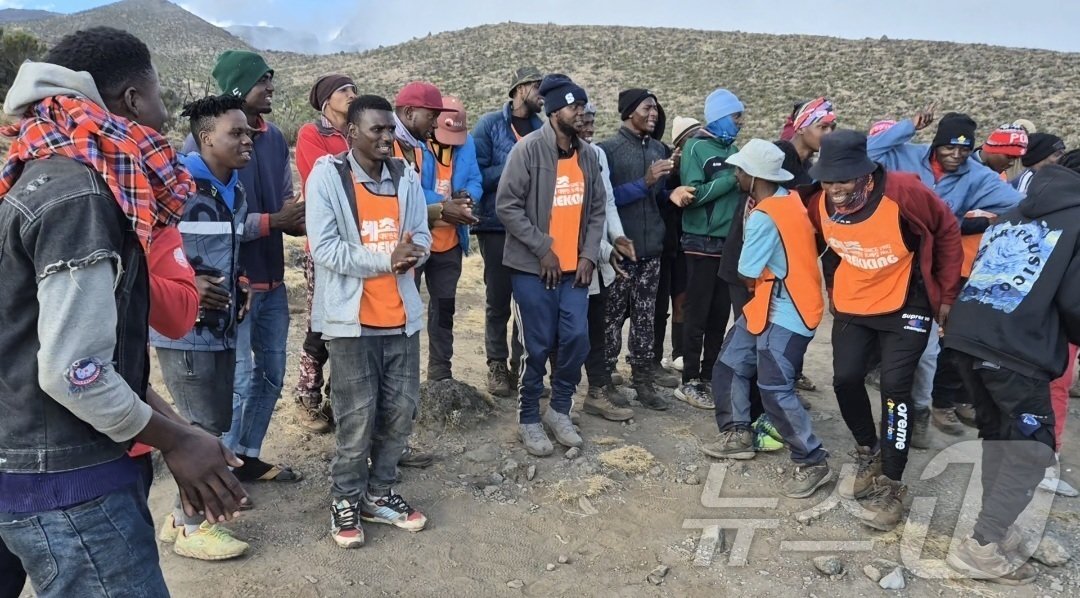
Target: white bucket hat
762, 160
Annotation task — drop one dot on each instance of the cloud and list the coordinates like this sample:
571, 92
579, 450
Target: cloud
7, 4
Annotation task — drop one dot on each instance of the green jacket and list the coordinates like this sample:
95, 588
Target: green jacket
704, 167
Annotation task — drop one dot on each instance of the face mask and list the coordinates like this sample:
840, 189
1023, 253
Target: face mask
724, 129
849, 203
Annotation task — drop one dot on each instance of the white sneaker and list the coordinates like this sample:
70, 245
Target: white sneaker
676, 364
1058, 486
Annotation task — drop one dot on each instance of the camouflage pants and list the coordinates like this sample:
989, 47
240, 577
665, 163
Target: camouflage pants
313, 357
632, 297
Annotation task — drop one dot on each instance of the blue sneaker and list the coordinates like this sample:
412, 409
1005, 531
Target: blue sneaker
392, 510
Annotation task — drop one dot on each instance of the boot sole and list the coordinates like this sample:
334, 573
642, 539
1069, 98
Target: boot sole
601, 413
808, 493
742, 456
192, 555
962, 567
682, 397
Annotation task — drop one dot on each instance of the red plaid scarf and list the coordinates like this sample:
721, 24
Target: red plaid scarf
137, 163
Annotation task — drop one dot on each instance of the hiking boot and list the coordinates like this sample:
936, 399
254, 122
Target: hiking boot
805, 402
763, 443
169, 530
318, 420
920, 428
965, 412
694, 394
868, 467
989, 563
764, 425
597, 403
644, 380
806, 479
885, 506
736, 443
345, 526
664, 379
498, 382
804, 383
617, 398
944, 419
392, 510
414, 458
535, 439
562, 428
1012, 542
618, 379
208, 543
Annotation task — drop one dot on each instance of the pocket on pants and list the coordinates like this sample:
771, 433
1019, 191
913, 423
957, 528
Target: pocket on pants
27, 537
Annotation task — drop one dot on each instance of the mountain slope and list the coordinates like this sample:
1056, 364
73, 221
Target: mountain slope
19, 15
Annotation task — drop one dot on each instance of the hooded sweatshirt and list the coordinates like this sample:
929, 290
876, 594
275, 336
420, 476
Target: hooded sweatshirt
1021, 306
707, 220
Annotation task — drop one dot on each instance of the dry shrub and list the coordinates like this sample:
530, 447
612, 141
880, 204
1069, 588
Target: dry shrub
629, 459
606, 440
590, 487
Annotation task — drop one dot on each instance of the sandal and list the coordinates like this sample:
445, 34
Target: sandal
256, 470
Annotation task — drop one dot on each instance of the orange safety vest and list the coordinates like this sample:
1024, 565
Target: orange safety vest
414, 159
377, 215
971, 248
875, 264
444, 237
803, 280
564, 227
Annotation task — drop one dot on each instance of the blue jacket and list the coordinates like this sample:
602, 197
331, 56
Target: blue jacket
494, 136
466, 177
973, 186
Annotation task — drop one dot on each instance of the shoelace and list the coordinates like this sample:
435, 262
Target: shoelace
800, 474
535, 433
217, 533
880, 495
345, 516
395, 502
864, 461
950, 416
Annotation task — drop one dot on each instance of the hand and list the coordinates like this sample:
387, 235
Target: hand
683, 196
832, 307
245, 291
211, 294
943, 317
200, 465
585, 269
616, 261
406, 254
290, 219
458, 211
658, 170
625, 247
924, 117
550, 270
676, 157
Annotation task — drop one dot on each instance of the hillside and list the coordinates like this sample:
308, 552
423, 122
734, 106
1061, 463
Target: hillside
18, 15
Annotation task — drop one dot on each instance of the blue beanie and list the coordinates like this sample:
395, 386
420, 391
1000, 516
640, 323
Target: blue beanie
559, 92
721, 103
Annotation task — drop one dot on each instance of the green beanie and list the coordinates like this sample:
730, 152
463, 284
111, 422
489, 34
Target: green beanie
237, 71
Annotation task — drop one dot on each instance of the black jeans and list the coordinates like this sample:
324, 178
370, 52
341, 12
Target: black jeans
740, 296
708, 306
901, 339
1016, 425
12, 574
948, 384
497, 307
672, 284
595, 364
441, 271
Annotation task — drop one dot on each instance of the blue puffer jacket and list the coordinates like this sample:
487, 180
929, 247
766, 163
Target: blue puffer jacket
465, 177
973, 186
494, 136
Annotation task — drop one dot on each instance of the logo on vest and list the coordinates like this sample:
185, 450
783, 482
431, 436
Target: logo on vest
864, 258
380, 235
568, 194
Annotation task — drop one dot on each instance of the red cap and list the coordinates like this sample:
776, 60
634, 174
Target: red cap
419, 94
1009, 140
451, 128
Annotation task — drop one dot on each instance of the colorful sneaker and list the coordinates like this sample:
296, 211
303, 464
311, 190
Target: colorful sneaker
169, 531
694, 393
763, 424
344, 525
392, 510
209, 543
763, 443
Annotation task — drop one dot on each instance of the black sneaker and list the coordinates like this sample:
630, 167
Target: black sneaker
345, 524
392, 510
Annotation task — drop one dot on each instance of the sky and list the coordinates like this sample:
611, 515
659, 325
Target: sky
1047, 24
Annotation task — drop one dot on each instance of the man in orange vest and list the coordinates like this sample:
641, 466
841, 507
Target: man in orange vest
891, 265
779, 264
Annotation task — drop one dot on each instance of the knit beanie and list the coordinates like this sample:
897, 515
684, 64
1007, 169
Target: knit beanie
237, 71
721, 103
559, 92
630, 99
1040, 147
955, 129
1007, 140
325, 87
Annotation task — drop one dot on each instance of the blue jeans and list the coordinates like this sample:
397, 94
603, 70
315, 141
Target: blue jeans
775, 357
375, 395
104, 547
260, 370
545, 317
922, 386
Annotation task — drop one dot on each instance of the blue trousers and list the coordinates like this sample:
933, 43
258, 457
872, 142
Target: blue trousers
546, 317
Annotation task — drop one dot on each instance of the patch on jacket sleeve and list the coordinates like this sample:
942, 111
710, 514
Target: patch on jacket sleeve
84, 374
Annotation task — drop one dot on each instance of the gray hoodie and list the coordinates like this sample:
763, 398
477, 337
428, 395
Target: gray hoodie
39, 80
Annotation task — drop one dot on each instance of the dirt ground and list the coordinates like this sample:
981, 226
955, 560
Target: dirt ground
493, 531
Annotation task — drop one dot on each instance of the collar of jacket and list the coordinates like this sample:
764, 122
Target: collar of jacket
629, 134
326, 129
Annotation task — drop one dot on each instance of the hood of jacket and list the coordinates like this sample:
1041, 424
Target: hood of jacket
1052, 189
36, 81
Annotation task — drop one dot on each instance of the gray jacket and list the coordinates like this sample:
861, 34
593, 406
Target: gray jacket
526, 191
341, 260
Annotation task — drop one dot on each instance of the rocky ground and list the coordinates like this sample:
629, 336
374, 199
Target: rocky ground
638, 511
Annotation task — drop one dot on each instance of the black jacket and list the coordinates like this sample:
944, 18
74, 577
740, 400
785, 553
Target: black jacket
629, 158
1021, 306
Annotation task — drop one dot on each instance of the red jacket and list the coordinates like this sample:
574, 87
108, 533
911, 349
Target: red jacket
940, 252
174, 300
313, 141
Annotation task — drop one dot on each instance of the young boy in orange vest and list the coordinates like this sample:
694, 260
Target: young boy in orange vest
779, 264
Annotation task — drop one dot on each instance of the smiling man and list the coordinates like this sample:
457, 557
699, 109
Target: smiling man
368, 231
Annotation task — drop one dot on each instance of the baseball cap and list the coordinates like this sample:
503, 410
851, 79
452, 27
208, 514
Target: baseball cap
452, 127
420, 94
